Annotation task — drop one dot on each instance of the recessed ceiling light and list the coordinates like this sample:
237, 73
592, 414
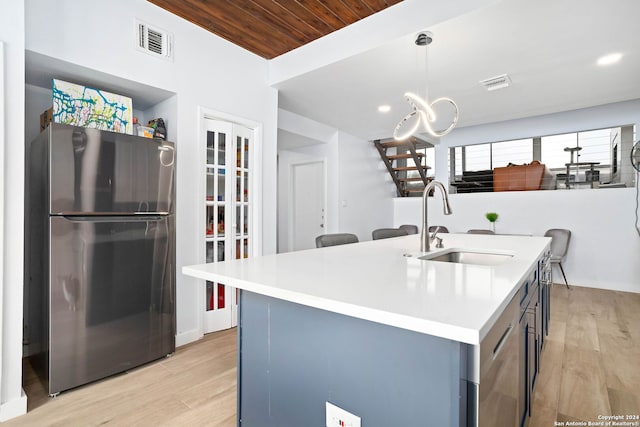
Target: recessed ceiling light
609, 59
384, 108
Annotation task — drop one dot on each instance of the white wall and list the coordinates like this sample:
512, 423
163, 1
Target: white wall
166, 109
365, 188
324, 152
36, 100
286, 159
2, 112
302, 140
359, 189
12, 33
609, 115
604, 248
206, 71
304, 127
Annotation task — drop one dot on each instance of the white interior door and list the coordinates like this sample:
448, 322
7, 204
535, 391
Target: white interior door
229, 210
308, 204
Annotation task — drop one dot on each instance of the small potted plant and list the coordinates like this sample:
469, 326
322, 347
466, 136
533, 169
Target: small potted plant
492, 217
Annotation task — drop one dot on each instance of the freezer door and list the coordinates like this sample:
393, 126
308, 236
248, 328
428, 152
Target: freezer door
112, 296
93, 171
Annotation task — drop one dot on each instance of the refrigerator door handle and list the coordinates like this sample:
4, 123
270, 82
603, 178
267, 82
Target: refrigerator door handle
81, 214
151, 213
115, 218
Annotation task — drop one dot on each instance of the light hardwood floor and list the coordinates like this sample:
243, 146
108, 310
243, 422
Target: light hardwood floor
590, 367
591, 362
194, 387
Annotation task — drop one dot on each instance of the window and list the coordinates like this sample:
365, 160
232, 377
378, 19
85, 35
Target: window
477, 157
517, 152
492, 155
598, 147
580, 147
430, 155
455, 156
552, 149
593, 146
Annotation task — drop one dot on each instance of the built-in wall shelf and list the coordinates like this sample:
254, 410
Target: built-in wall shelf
149, 102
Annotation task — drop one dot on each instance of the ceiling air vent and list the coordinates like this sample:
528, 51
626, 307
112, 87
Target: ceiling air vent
154, 41
495, 83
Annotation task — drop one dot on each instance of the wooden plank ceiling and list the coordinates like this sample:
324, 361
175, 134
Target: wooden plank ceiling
270, 28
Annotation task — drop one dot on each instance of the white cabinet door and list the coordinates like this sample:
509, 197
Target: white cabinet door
228, 206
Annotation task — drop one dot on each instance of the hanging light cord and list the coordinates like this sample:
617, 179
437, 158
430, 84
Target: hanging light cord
637, 202
635, 163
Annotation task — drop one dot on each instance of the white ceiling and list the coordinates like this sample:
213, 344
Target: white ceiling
549, 49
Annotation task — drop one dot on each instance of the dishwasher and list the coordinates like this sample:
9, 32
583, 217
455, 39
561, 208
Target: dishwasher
491, 381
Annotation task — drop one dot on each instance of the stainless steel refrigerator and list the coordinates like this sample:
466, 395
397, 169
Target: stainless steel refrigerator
99, 253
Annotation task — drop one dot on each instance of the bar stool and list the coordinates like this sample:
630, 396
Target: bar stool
325, 240
438, 228
560, 238
409, 228
386, 233
479, 231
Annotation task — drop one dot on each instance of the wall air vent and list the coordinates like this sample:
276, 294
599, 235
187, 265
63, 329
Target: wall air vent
495, 83
154, 41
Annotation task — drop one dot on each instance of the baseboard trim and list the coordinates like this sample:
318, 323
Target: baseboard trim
14, 408
188, 337
618, 287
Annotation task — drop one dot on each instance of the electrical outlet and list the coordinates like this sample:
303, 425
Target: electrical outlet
338, 417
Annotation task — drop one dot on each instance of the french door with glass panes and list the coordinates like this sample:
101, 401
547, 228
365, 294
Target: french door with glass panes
228, 213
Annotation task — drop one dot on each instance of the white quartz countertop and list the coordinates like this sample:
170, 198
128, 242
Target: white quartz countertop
376, 282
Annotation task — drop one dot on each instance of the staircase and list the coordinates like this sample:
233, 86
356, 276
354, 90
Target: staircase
409, 172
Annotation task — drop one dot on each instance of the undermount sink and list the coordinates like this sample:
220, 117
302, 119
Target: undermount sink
468, 257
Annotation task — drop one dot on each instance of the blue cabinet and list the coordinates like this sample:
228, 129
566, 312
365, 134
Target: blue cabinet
523, 409
534, 327
294, 358
528, 348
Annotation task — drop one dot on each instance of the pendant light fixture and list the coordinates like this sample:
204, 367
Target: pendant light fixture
423, 111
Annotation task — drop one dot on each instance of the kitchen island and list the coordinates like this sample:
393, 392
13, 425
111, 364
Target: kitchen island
374, 329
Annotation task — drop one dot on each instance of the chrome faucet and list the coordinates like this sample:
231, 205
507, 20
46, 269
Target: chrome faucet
425, 239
